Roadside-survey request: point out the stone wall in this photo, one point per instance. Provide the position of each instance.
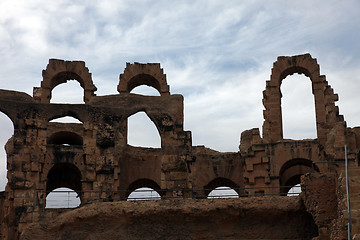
(94, 159)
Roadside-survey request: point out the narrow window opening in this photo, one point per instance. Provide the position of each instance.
(62, 198)
(144, 193)
(223, 192)
(298, 108)
(145, 90)
(69, 92)
(142, 132)
(6, 130)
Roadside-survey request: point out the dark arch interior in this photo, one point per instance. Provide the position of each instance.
(143, 79)
(63, 77)
(64, 175)
(65, 138)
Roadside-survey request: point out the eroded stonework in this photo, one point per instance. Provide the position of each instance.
(94, 159)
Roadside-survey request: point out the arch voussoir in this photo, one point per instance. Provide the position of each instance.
(138, 74)
(59, 71)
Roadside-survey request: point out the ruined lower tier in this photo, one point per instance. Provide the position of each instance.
(242, 218)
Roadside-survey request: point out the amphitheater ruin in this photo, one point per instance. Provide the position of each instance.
(93, 158)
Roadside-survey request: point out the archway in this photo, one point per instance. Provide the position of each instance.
(142, 132)
(137, 74)
(58, 72)
(291, 172)
(64, 175)
(298, 108)
(143, 80)
(221, 187)
(325, 109)
(144, 189)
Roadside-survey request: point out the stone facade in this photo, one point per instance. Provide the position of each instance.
(94, 159)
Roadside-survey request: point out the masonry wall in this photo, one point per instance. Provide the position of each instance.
(95, 160)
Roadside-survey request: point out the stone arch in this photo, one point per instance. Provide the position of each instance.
(298, 106)
(291, 171)
(60, 71)
(144, 182)
(327, 114)
(64, 175)
(150, 74)
(220, 182)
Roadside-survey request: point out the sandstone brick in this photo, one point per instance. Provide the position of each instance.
(94, 156)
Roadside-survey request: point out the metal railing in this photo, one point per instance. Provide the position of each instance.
(71, 199)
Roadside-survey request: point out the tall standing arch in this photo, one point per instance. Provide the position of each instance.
(327, 114)
(60, 71)
(138, 74)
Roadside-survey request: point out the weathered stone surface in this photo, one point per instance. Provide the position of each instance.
(281, 218)
(94, 159)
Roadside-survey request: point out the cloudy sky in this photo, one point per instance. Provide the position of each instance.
(218, 54)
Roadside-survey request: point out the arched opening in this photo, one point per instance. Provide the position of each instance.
(223, 192)
(65, 138)
(298, 108)
(145, 90)
(143, 193)
(142, 132)
(64, 175)
(144, 189)
(221, 188)
(6, 130)
(290, 174)
(143, 79)
(62, 198)
(68, 92)
(66, 119)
